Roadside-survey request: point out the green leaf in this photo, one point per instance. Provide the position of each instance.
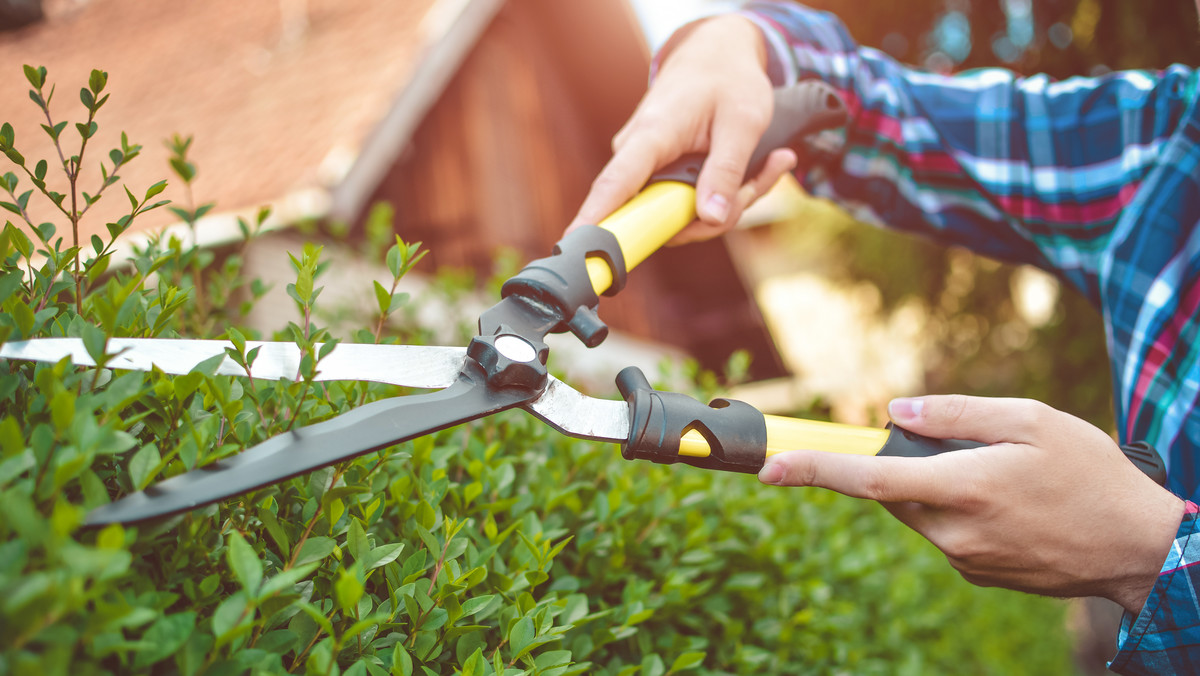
(402, 664)
(86, 131)
(244, 562)
(552, 659)
(12, 440)
(143, 465)
(97, 80)
(521, 636)
(22, 313)
(165, 637)
(184, 169)
(383, 555)
(315, 549)
(7, 136)
(291, 291)
(275, 530)
(473, 666)
(476, 604)
(347, 590)
(356, 541)
(55, 131)
(289, 578)
(686, 661)
(231, 618)
(62, 409)
(383, 298)
(652, 665)
(36, 76)
(154, 190)
(95, 342)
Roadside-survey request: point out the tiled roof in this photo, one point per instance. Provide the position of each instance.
(270, 90)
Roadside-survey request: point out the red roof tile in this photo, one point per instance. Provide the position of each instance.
(267, 98)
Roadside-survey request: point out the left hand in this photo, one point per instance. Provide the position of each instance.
(1052, 506)
(712, 96)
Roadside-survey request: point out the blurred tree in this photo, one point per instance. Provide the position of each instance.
(1058, 37)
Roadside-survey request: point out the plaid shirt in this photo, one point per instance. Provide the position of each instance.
(1093, 179)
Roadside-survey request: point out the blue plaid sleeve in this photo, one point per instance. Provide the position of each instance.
(1165, 637)
(1026, 170)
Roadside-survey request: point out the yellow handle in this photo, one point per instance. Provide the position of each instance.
(789, 434)
(644, 225)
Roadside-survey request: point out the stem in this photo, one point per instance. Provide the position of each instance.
(47, 620)
(437, 570)
(37, 482)
(73, 178)
(300, 657)
(337, 474)
(384, 315)
(299, 405)
(45, 106)
(304, 537)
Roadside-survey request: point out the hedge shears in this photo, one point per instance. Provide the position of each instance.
(504, 366)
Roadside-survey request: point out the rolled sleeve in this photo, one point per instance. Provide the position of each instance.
(1165, 637)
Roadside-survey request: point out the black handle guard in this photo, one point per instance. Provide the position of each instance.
(907, 444)
(736, 432)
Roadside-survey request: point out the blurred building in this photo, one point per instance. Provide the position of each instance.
(482, 121)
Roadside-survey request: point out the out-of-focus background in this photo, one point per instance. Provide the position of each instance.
(482, 122)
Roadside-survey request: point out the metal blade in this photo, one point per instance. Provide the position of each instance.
(407, 365)
(578, 415)
(362, 430)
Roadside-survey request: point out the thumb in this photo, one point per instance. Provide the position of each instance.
(884, 479)
(983, 419)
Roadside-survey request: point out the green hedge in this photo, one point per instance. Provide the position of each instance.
(497, 547)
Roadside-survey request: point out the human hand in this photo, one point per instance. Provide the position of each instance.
(711, 95)
(1052, 506)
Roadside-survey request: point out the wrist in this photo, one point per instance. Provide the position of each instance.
(726, 36)
(1154, 541)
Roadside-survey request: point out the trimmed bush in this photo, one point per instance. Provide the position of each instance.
(499, 547)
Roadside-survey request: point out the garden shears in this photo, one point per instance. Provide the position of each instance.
(504, 366)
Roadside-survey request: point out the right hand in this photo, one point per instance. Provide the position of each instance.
(1051, 506)
(712, 96)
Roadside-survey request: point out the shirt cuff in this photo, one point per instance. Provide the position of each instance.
(1164, 638)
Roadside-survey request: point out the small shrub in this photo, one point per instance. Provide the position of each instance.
(494, 548)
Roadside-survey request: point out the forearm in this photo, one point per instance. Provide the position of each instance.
(1018, 169)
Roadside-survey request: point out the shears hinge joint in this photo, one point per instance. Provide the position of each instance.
(509, 360)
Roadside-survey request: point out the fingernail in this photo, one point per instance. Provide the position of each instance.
(771, 474)
(717, 207)
(905, 409)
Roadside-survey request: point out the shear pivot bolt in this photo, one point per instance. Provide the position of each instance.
(516, 348)
(509, 360)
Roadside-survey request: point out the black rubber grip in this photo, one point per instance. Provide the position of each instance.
(907, 444)
(736, 432)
